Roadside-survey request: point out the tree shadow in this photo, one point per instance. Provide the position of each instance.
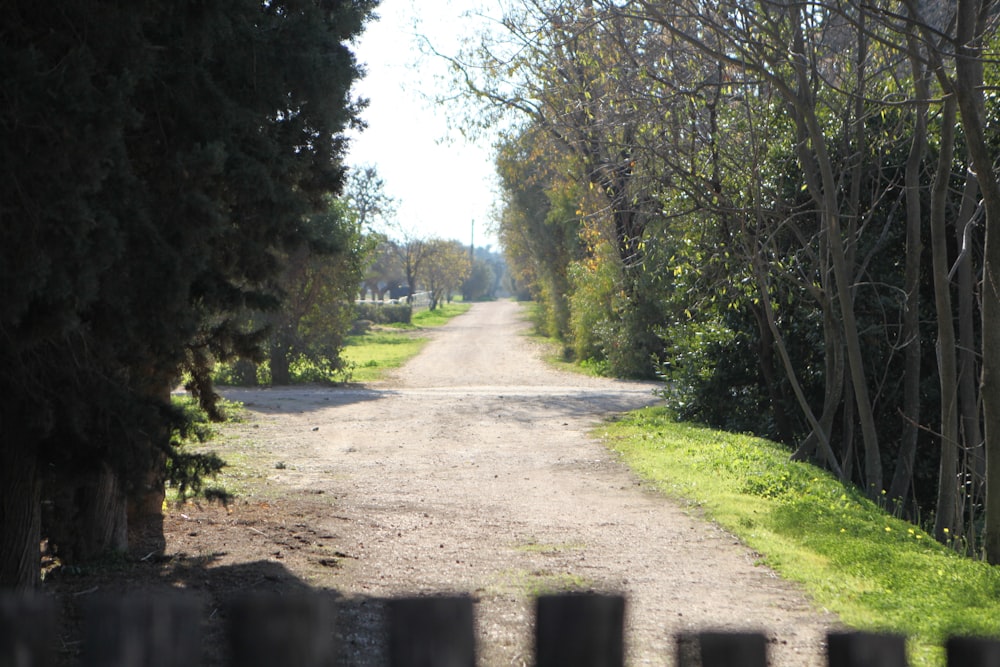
(356, 626)
(301, 398)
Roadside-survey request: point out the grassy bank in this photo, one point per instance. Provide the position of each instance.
(372, 355)
(876, 572)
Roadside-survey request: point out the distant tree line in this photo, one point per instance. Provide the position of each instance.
(445, 269)
(788, 211)
(402, 262)
(169, 177)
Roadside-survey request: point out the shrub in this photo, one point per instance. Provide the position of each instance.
(386, 313)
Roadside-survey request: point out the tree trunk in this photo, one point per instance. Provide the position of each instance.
(103, 515)
(969, 94)
(948, 517)
(245, 373)
(827, 198)
(818, 168)
(770, 376)
(903, 474)
(85, 512)
(20, 518)
(144, 511)
(281, 371)
(822, 435)
(968, 363)
(147, 490)
(833, 394)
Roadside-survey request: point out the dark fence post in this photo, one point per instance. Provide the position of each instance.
(580, 630)
(861, 649)
(431, 632)
(142, 631)
(268, 630)
(972, 652)
(27, 631)
(722, 649)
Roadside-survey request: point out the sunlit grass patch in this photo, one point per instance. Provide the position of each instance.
(370, 356)
(876, 572)
(440, 316)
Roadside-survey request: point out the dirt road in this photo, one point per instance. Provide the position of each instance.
(473, 470)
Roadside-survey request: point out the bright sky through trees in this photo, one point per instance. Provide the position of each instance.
(440, 181)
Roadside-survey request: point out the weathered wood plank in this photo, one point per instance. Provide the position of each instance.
(972, 652)
(27, 631)
(577, 630)
(722, 649)
(269, 630)
(860, 649)
(580, 630)
(142, 631)
(432, 632)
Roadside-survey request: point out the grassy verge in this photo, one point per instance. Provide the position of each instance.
(436, 318)
(876, 572)
(556, 353)
(374, 354)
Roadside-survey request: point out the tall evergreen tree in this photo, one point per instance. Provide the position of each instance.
(159, 159)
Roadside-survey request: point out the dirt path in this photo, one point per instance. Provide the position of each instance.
(472, 471)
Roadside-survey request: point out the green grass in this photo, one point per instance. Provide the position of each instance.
(876, 572)
(195, 470)
(435, 318)
(556, 353)
(372, 355)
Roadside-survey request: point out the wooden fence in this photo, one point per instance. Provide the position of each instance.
(572, 630)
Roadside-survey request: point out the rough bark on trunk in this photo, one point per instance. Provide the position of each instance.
(948, 517)
(968, 363)
(20, 519)
(903, 474)
(144, 511)
(147, 490)
(85, 512)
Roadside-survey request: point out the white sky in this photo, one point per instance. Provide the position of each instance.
(441, 183)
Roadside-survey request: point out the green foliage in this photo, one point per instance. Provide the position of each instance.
(634, 347)
(482, 282)
(445, 268)
(188, 471)
(160, 165)
(388, 313)
(876, 572)
(592, 304)
(540, 225)
(715, 186)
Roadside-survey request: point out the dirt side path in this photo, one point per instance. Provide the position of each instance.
(472, 471)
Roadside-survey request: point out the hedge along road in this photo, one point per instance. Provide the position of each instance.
(472, 470)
